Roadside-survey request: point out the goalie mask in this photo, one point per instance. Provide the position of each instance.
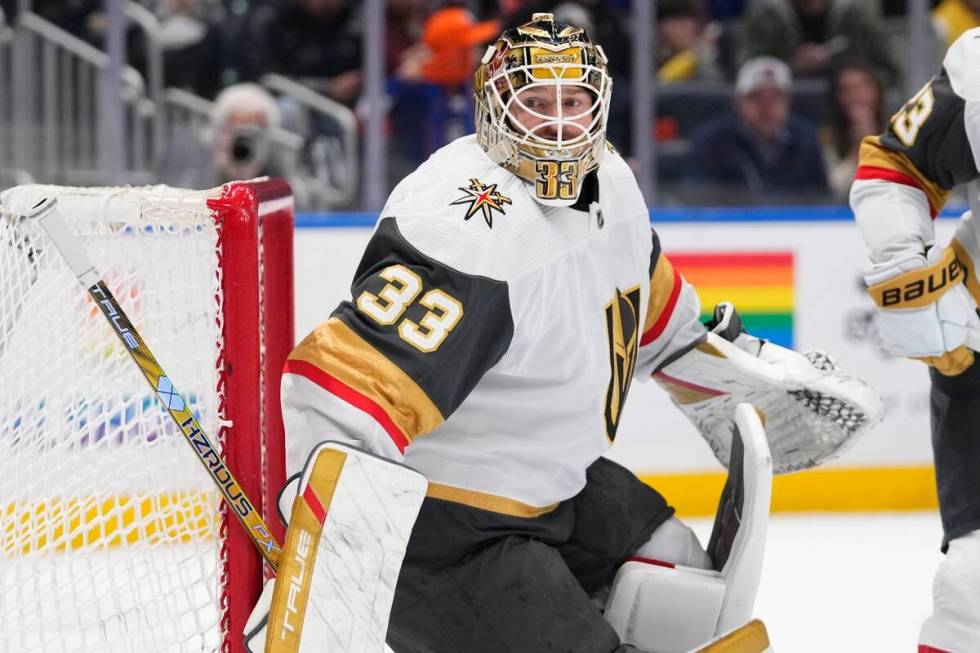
(542, 98)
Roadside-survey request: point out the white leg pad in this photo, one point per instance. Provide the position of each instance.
(675, 542)
(665, 609)
(349, 525)
(955, 621)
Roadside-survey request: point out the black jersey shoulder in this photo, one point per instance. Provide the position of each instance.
(472, 344)
(929, 130)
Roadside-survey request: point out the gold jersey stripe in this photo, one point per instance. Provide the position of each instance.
(486, 501)
(664, 287)
(876, 155)
(336, 349)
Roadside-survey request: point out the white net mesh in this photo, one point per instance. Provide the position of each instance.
(109, 527)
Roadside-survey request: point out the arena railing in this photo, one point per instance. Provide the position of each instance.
(145, 20)
(57, 108)
(9, 173)
(332, 150)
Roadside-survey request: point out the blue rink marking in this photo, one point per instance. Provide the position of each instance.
(673, 215)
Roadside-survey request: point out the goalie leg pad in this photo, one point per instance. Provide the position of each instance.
(669, 607)
(350, 524)
(955, 622)
(675, 542)
(665, 608)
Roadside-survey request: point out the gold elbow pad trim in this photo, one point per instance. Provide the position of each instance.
(919, 288)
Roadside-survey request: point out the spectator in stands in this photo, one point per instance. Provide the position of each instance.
(316, 42)
(953, 17)
(815, 35)
(432, 94)
(685, 48)
(452, 35)
(242, 120)
(82, 18)
(726, 9)
(191, 39)
(857, 109)
(403, 36)
(238, 145)
(762, 152)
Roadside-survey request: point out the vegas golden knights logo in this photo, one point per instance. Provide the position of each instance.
(622, 328)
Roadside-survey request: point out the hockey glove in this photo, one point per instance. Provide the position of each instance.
(811, 409)
(727, 323)
(924, 308)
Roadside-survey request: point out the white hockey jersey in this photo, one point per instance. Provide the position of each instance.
(931, 145)
(490, 341)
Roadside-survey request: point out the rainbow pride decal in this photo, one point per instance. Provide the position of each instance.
(760, 284)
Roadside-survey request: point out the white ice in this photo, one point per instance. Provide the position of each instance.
(846, 582)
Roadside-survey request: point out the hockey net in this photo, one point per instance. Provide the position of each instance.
(112, 537)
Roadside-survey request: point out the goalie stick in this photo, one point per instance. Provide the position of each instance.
(64, 241)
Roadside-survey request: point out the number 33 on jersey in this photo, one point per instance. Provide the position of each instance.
(388, 306)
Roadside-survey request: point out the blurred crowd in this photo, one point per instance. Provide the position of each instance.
(758, 101)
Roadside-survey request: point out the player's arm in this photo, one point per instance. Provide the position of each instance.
(670, 325)
(902, 182)
(397, 359)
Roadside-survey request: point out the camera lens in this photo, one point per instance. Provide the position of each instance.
(242, 148)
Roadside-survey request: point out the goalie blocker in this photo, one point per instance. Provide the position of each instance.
(351, 514)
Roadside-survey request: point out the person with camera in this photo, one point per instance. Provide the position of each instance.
(235, 145)
(241, 121)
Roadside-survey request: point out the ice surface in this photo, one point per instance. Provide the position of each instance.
(846, 582)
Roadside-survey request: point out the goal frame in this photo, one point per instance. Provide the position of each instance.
(256, 243)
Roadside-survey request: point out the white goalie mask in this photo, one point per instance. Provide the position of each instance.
(542, 97)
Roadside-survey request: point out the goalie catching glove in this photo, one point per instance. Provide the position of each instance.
(351, 514)
(812, 411)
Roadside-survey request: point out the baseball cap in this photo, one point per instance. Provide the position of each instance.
(455, 27)
(761, 72)
(450, 35)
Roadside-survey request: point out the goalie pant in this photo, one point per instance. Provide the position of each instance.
(480, 582)
(904, 179)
